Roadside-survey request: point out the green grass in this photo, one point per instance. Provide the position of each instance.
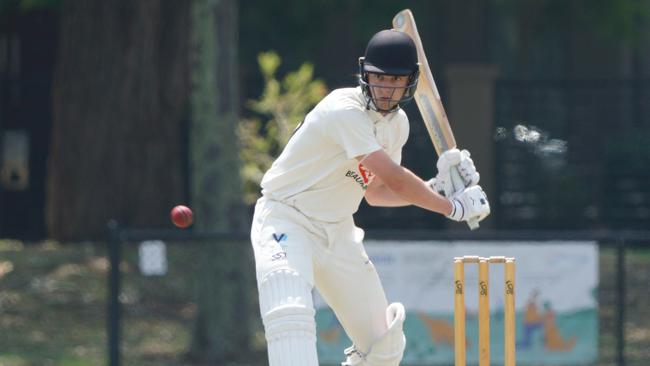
(637, 310)
(52, 301)
(53, 306)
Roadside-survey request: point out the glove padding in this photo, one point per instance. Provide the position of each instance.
(470, 203)
(454, 159)
(438, 184)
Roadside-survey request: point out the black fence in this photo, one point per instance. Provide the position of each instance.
(150, 319)
(572, 154)
(568, 154)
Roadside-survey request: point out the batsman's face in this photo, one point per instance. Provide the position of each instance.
(387, 90)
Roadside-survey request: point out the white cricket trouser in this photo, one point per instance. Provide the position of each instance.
(293, 249)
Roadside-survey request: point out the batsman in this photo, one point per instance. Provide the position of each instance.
(349, 147)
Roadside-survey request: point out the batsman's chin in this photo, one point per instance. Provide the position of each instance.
(385, 105)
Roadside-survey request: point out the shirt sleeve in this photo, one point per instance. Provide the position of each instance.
(352, 130)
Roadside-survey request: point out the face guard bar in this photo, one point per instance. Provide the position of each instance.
(409, 89)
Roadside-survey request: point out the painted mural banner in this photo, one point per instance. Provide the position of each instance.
(555, 296)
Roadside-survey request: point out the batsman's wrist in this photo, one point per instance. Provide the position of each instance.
(450, 210)
(457, 211)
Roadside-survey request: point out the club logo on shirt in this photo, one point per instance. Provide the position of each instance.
(279, 238)
(366, 174)
(278, 256)
(281, 254)
(363, 177)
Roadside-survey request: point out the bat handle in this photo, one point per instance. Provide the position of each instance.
(472, 223)
(459, 184)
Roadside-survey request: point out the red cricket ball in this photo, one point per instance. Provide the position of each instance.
(182, 216)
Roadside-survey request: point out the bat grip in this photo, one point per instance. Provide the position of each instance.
(459, 184)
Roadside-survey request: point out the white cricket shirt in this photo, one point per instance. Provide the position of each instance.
(318, 172)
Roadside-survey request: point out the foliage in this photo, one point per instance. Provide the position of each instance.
(617, 20)
(28, 5)
(39, 4)
(282, 105)
(629, 152)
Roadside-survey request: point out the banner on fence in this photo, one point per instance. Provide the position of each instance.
(556, 303)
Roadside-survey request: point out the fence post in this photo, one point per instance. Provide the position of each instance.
(620, 279)
(114, 254)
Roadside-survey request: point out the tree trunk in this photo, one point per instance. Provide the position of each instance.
(222, 329)
(120, 98)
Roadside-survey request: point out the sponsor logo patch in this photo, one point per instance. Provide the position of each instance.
(365, 174)
(277, 256)
(363, 177)
(279, 238)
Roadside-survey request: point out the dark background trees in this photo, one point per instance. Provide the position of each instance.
(131, 107)
(116, 133)
(120, 102)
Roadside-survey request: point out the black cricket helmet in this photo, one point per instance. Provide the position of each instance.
(389, 52)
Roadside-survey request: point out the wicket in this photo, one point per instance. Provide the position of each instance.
(484, 309)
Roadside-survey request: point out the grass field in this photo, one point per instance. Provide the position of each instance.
(53, 307)
(52, 304)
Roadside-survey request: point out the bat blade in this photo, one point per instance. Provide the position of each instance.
(426, 95)
(428, 100)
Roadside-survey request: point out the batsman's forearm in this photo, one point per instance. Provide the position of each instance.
(382, 196)
(414, 190)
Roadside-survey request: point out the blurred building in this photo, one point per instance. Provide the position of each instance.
(27, 49)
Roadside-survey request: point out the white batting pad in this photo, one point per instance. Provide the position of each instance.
(288, 316)
(387, 350)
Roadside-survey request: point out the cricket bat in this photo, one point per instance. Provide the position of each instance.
(428, 100)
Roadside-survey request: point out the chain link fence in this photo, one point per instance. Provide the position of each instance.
(154, 307)
(572, 154)
(166, 284)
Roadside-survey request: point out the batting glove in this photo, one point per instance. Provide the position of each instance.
(469, 203)
(463, 163)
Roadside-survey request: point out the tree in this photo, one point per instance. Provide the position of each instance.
(222, 328)
(284, 103)
(531, 25)
(120, 95)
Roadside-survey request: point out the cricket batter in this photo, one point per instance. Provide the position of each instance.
(348, 147)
